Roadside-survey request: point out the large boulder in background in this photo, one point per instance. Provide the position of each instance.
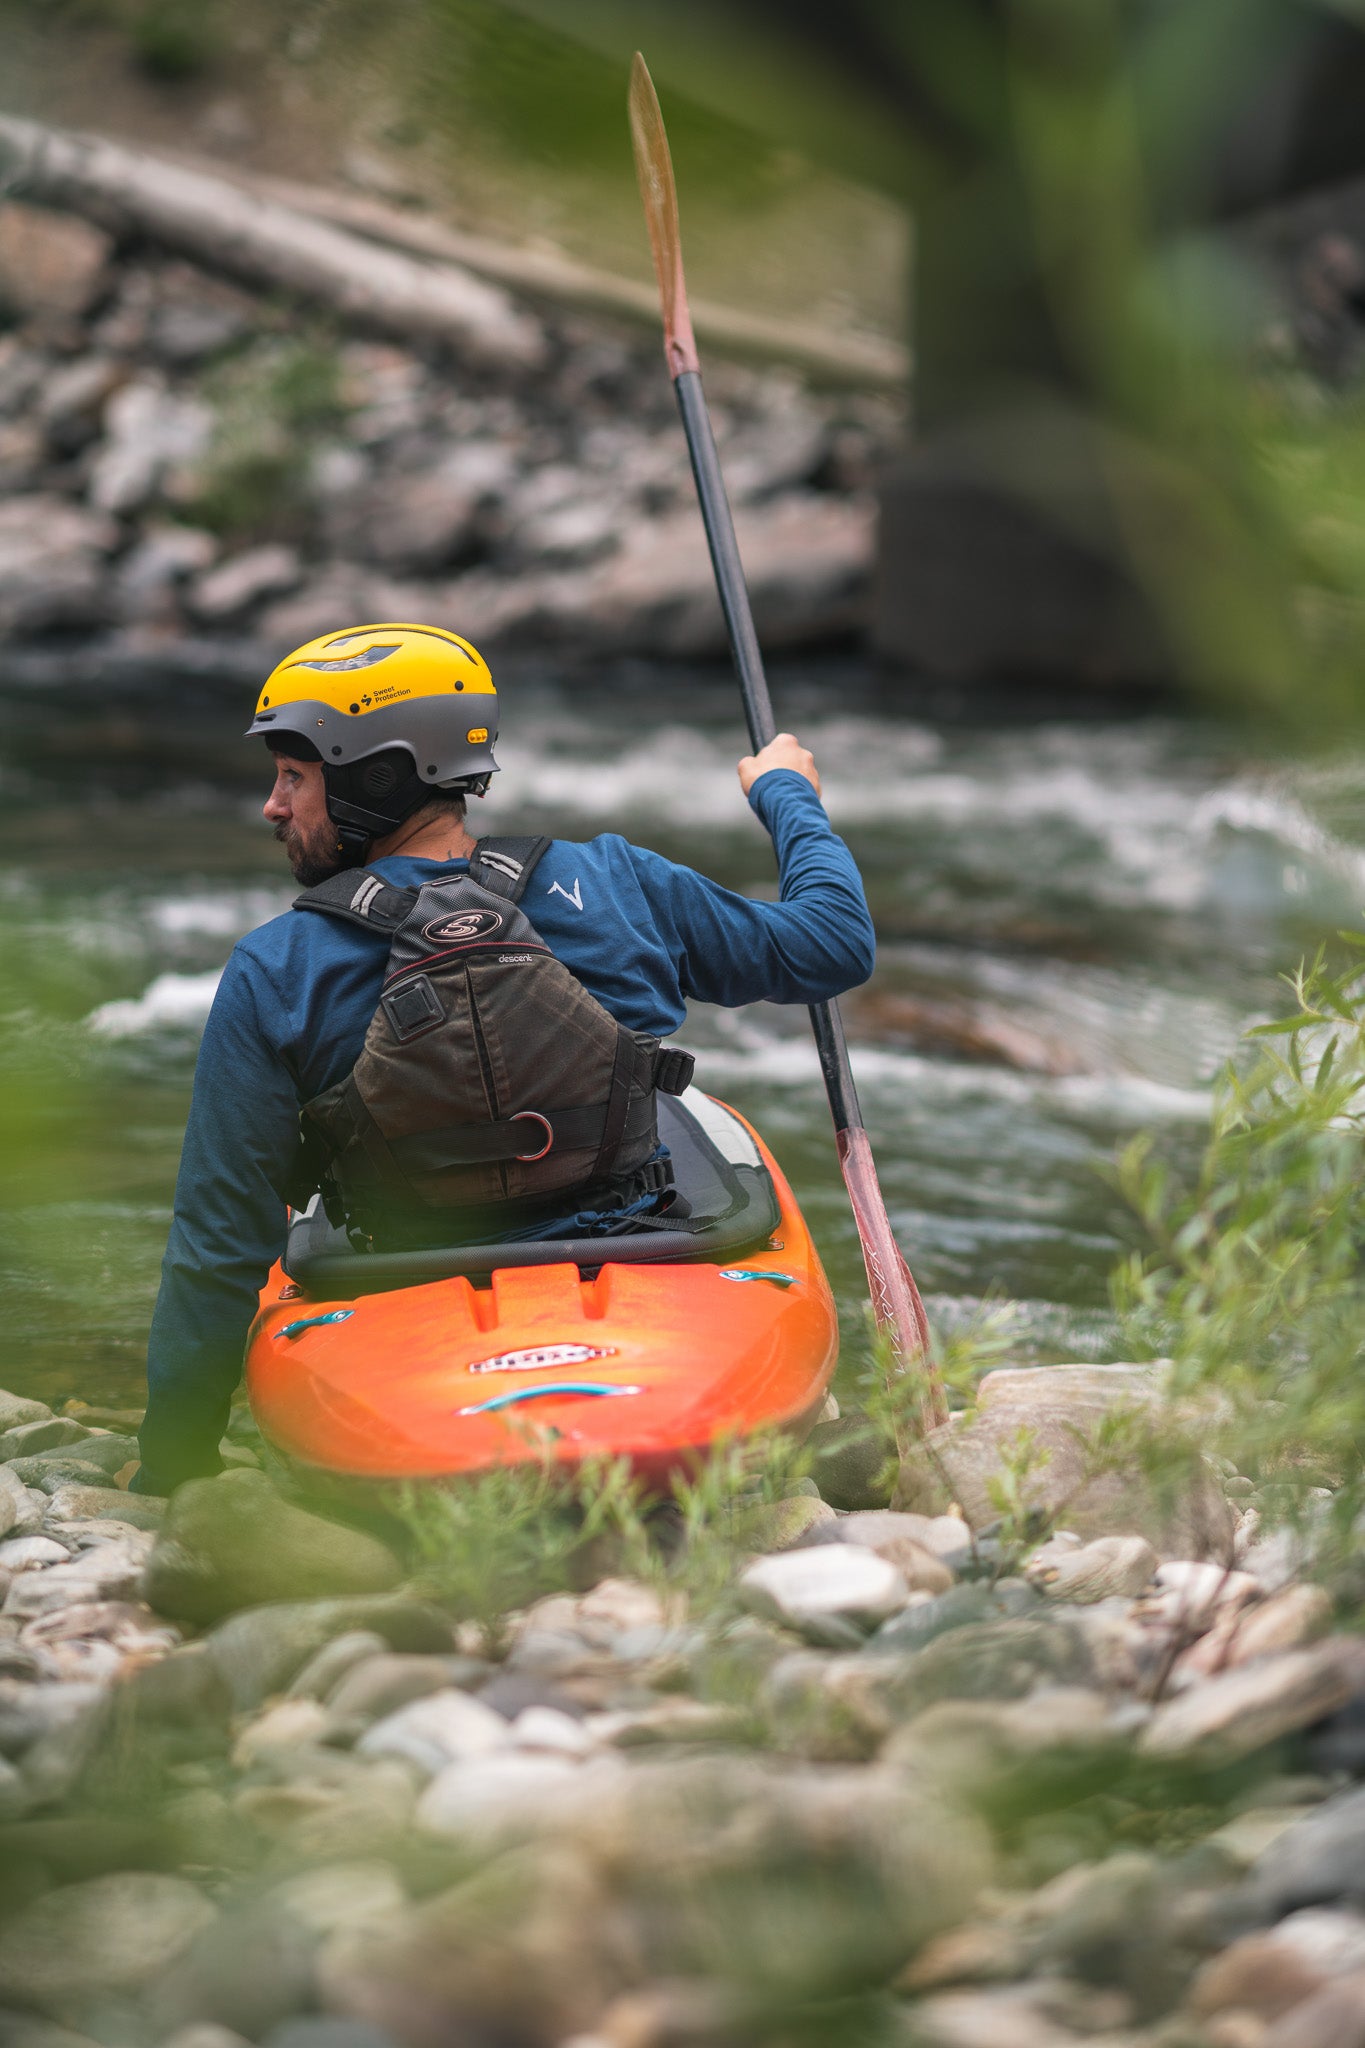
(232, 1542)
(52, 564)
(1051, 1419)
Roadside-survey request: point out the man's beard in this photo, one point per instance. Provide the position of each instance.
(311, 860)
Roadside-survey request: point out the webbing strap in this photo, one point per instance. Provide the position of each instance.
(628, 1052)
(503, 866)
(360, 898)
(533, 1134)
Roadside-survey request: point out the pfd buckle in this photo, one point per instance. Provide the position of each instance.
(673, 1069)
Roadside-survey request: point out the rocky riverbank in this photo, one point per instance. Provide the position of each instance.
(891, 1775)
(188, 461)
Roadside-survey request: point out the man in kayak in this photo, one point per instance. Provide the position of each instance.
(379, 735)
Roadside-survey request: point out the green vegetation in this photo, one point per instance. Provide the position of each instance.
(1255, 1288)
(277, 404)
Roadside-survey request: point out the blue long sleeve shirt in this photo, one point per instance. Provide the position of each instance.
(643, 934)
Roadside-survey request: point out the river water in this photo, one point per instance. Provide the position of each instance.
(1077, 915)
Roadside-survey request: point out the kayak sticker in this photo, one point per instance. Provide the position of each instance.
(464, 924)
(336, 1315)
(753, 1273)
(566, 1389)
(541, 1355)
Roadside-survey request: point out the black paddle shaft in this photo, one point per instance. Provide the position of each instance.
(826, 1023)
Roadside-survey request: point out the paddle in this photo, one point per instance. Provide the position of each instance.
(896, 1303)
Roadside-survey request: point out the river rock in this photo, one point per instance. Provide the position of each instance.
(780, 1524)
(1064, 1406)
(226, 592)
(52, 564)
(18, 1514)
(102, 1452)
(108, 1935)
(945, 1537)
(17, 1408)
(149, 431)
(1111, 1566)
(48, 1471)
(526, 1949)
(488, 1796)
(51, 263)
(850, 1463)
(445, 1727)
(185, 1691)
(1288, 1620)
(319, 2032)
(232, 1542)
(45, 1434)
(1258, 1974)
(30, 1711)
(70, 1505)
(321, 1673)
(31, 1553)
(381, 1684)
(922, 1620)
(1241, 1711)
(1333, 2017)
(106, 1571)
(997, 1660)
(828, 1594)
(1319, 1861)
(285, 1724)
(259, 1651)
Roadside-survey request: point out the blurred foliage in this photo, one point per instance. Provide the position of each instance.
(276, 405)
(1255, 1286)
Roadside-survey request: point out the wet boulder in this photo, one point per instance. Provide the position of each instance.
(232, 1543)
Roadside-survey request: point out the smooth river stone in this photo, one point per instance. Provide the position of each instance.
(1111, 1567)
(109, 1935)
(444, 1728)
(46, 1434)
(18, 1514)
(16, 1409)
(1241, 1711)
(1319, 1861)
(825, 1593)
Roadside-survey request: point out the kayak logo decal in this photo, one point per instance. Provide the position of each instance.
(464, 924)
(543, 1355)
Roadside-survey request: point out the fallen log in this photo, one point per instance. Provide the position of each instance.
(266, 244)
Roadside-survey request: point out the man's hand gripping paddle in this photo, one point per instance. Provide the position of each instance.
(895, 1298)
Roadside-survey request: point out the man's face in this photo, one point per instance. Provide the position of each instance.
(297, 808)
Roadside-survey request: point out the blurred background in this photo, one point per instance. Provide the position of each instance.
(1033, 334)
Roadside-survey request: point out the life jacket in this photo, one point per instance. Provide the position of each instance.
(492, 1088)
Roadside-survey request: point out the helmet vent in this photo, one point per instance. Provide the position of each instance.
(366, 660)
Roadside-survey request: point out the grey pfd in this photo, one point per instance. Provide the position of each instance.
(492, 1088)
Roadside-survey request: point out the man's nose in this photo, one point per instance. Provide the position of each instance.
(276, 805)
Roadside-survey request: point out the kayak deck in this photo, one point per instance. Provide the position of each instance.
(648, 1360)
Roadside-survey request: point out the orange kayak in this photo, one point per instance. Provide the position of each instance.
(651, 1347)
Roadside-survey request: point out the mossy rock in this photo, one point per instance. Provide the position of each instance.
(232, 1542)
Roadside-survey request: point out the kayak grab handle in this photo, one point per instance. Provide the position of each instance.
(753, 1273)
(335, 1315)
(538, 1393)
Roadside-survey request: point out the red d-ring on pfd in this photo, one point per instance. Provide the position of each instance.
(534, 1116)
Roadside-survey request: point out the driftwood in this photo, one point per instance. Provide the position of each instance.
(264, 243)
(866, 362)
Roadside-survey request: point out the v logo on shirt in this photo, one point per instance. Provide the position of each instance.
(570, 896)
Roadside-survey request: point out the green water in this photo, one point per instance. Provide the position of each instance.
(1084, 911)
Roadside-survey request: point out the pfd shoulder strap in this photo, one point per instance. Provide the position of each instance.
(503, 866)
(360, 898)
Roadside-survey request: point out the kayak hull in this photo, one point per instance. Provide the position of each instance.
(652, 1363)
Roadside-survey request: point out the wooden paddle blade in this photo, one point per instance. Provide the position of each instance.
(654, 169)
(896, 1303)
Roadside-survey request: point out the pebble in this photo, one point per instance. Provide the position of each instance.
(1334, 2017)
(259, 1651)
(1259, 1974)
(1241, 1711)
(1319, 1861)
(285, 1725)
(547, 1729)
(827, 1594)
(16, 1409)
(45, 1434)
(444, 1728)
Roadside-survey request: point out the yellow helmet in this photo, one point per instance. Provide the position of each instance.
(363, 699)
